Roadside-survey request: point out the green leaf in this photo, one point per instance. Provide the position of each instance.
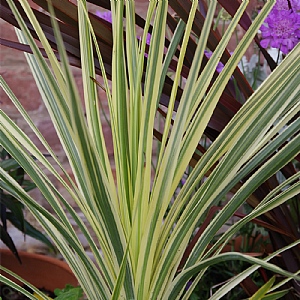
(69, 293)
(263, 292)
(260, 294)
(9, 164)
(7, 240)
(276, 295)
(28, 229)
(11, 204)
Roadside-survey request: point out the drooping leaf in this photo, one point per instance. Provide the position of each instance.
(29, 230)
(7, 240)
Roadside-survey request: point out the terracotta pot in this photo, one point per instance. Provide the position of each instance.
(236, 245)
(40, 270)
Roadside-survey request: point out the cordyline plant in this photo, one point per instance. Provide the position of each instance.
(142, 234)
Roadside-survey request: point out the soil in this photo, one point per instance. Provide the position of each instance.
(8, 293)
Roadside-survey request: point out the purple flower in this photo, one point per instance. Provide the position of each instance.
(148, 39)
(188, 285)
(105, 15)
(220, 65)
(282, 30)
(284, 5)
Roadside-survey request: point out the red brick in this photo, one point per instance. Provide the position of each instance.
(21, 81)
(7, 31)
(48, 131)
(108, 138)
(9, 56)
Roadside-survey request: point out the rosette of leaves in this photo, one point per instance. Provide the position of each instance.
(12, 209)
(143, 236)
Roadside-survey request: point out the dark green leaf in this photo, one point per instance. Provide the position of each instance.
(276, 295)
(9, 164)
(69, 293)
(15, 207)
(30, 230)
(7, 240)
(28, 185)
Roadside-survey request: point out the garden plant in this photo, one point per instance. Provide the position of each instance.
(151, 231)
